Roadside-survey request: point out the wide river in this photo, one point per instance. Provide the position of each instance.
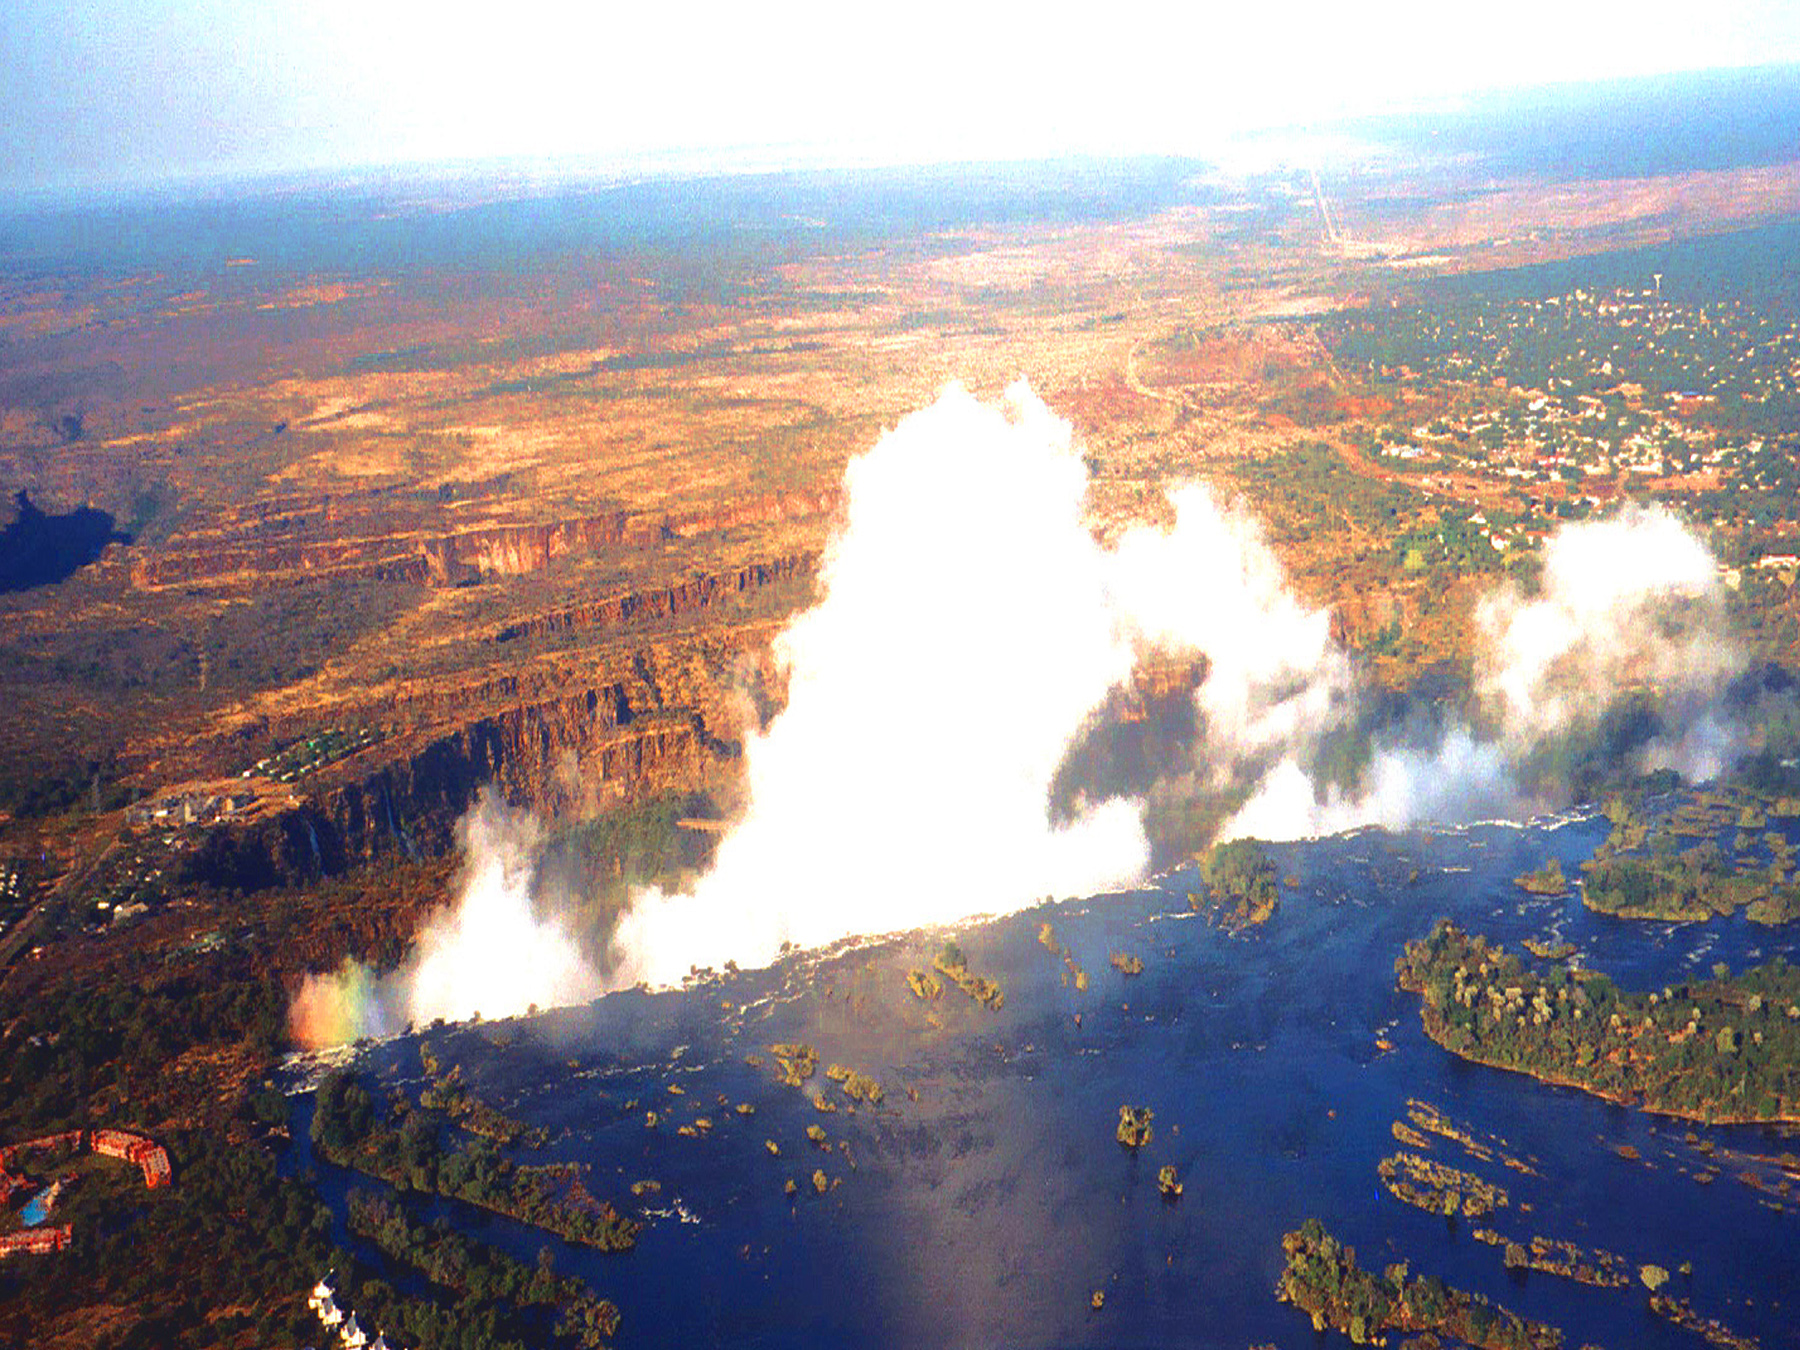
(987, 1211)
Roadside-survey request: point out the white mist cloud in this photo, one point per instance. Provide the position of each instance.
(1633, 599)
(964, 634)
(969, 626)
(490, 951)
(1211, 584)
(1630, 602)
(1456, 779)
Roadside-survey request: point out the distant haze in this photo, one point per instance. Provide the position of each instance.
(113, 92)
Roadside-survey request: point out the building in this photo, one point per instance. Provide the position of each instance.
(35, 1240)
(135, 1148)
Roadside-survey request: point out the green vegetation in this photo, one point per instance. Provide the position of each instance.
(626, 849)
(1725, 1049)
(1323, 1279)
(266, 1239)
(490, 1285)
(1134, 1126)
(1459, 543)
(76, 1053)
(954, 966)
(1686, 887)
(797, 1062)
(1308, 490)
(1439, 1189)
(175, 1035)
(1432, 1120)
(1640, 872)
(1241, 882)
(1547, 880)
(1555, 1256)
(1710, 1329)
(858, 1087)
(1549, 951)
(924, 985)
(1584, 344)
(401, 1145)
(31, 788)
(447, 1093)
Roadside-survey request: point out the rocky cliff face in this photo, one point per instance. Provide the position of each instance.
(571, 734)
(514, 550)
(568, 757)
(384, 558)
(694, 594)
(320, 542)
(770, 508)
(438, 559)
(595, 704)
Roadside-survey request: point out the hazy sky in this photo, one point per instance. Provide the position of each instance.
(145, 90)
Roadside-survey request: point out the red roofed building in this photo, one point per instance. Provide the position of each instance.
(35, 1240)
(146, 1153)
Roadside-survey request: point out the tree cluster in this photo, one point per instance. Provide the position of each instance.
(1725, 1049)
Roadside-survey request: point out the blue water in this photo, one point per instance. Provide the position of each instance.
(37, 1209)
(990, 1209)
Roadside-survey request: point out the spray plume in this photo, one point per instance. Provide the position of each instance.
(1628, 603)
(963, 635)
(971, 636)
(493, 951)
(1634, 600)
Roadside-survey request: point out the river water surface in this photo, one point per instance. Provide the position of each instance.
(988, 1211)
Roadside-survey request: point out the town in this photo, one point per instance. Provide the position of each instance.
(1577, 399)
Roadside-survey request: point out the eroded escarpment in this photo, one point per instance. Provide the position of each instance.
(417, 558)
(688, 596)
(660, 725)
(418, 546)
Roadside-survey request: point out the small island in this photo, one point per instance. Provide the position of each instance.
(1688, 886)
(1724, 1050)
(1438, 1188)
(1134, 1126)
(1240, 880)
(1558, 1256)
(951, 963)
(402, 1145)
(1547, 880)
(1641, 871)
(1323, 1279)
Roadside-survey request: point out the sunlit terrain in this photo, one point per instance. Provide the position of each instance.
(875, 757)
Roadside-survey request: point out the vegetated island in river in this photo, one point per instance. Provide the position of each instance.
(493, 1289)
(1323, 1279)
(1240, 881)
(401, 1144)
(1724, 1050)
(1640, 871)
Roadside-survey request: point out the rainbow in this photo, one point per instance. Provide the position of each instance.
(337, 1007)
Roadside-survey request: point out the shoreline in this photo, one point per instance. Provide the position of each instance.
(1632, 1102)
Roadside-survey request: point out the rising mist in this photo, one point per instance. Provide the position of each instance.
(967, 730)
